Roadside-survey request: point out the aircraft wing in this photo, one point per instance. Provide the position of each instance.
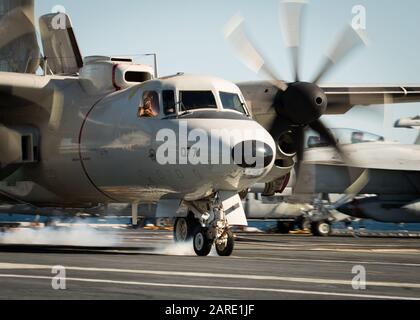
(342, 99)
(390, 156)
(260, 96)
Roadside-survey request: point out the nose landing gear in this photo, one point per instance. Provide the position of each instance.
(185, 228)
(206, 225)
(225, 245)
(202, 242)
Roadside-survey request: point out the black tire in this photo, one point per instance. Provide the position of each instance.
(226, 251)
(181, 230)
(321, 229)
(284, 227)
(191, 224)
(202, 244)
(141, 223)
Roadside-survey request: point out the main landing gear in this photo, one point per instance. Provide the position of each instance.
(206, 225)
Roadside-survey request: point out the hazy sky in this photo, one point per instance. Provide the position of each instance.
(187, 35)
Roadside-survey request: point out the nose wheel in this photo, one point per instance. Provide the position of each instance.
(211, 225)
(202, 243)
(185, 228)
(225, 245)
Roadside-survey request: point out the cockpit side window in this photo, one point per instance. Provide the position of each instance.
(169, 105)
(149, 106)
(193, 100)
(231, 101)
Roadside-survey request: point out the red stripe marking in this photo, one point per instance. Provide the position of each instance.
(114, 83)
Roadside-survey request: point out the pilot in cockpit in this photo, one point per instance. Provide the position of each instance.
(150, 107)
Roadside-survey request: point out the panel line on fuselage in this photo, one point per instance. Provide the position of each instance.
(81, 156)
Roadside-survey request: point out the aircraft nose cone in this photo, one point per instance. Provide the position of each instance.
(352, 209)
(252, 154)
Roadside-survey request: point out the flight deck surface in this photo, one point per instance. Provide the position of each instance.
(147, 265)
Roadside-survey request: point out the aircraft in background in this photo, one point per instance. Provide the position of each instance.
(304, 211)
(410, 123)
(390, 190)
(85, 132)
(401, 202)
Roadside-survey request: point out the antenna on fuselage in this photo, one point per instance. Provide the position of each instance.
(155, 63)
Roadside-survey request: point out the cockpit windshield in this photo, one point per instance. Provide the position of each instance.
(232, 101)
(193, 100)
(343, 137)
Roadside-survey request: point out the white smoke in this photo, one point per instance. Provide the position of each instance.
(79, 235)
(179, 249)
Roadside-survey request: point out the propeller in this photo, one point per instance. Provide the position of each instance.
(248, 52)
(298, 104)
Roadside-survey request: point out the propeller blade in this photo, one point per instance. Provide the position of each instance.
(291, 25)
(299, 137)
(348, 41)
(323, 131)
(236, 35)
(352, 191)
(359, 182)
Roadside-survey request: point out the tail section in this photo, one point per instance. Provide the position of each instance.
(409, 123)
(19, 50)
(60, 45)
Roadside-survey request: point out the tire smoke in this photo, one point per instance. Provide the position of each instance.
(79, 235)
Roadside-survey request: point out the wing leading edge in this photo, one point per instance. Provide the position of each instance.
(341, 99)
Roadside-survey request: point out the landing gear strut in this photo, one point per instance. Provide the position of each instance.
(207, 225)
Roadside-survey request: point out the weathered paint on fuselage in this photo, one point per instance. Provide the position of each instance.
(56, 106)
(94, 149)
(125, 148)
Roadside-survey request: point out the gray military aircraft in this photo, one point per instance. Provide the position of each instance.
(399, 201)
(390, 191)
(410, 123)
(101, 129)
(92, 130)
(306, 211)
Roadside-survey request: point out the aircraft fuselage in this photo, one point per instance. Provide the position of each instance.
(95, 149)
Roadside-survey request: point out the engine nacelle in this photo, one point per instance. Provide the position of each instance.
(279, 177)
(105, 74)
